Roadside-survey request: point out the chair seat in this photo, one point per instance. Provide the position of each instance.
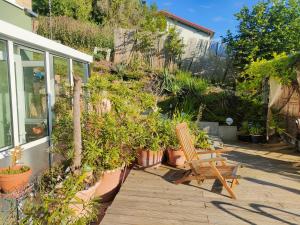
(227, 171)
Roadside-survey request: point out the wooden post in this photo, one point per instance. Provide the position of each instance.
(77, 125)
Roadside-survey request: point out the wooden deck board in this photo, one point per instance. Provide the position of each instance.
(269, 193)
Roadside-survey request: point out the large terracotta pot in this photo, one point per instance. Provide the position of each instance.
(14, 182)
(176, 157)
(147, 158)
(85, 196)
(108, 187)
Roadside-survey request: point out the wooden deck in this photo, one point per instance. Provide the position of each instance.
(269, 193)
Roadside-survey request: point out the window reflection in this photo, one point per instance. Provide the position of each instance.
(5, 106)
(31, 94)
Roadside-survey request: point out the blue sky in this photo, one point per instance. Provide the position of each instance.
(217, 15)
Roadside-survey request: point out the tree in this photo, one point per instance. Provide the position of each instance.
(76, 124)
(269, 27)
(78, 9)
(174, 45)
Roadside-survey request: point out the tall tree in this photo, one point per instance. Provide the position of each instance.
(270, 27)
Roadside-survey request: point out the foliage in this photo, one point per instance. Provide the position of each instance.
(74, 33)
(62, 132)
(118, 13)
(78, 9)
(109, 139)
(202, 140)
(244, 128)
(168, 132)
(183, 82)
(174, 45)
(282, 68)
(271, 26)
(256, 129)
(10, 170)
(54, 207)
(275, 124)
(151, 26)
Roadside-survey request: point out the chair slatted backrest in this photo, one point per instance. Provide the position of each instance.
(185, 140)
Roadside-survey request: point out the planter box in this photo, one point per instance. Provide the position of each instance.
(147, 158)
(228, 133)
(176, 157)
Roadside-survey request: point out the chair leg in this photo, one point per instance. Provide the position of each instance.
(234, 182)
(223, 181)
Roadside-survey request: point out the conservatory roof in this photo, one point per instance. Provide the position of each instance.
(22, 36)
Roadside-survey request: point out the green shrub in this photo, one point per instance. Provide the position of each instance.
(78, 9)
(81, 35)
(53, 207)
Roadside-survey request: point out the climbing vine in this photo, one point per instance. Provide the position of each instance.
(282, 68)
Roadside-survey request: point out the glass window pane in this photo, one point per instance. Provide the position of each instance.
(5, 106)
(59, 77)
(80, 69)
(31, 94)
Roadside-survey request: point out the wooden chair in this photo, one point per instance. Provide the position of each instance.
(202, 169)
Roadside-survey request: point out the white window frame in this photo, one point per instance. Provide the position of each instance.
(15, 35)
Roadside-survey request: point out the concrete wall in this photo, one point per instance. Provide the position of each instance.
(226, 133)
(15, 15)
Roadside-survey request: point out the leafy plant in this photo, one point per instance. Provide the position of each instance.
(174, 45)
(202, 140)
(244, 128)
(256, 129)
(268, 27)
(55, 207)
(10, 170)
(74, 33)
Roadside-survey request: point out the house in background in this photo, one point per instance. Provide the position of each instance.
(194, 36)
(17, 12)
(33, 72)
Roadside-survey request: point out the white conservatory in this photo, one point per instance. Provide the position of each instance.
(32, 72)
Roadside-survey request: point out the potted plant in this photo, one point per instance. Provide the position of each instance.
(256, 132)
(175, 156)
(148, 141)
(243, 134)
(14, 177)
(104, 149)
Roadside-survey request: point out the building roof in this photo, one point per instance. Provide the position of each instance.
(188, 23)
(18, 34)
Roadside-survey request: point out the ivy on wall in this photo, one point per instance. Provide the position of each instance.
(282, 68)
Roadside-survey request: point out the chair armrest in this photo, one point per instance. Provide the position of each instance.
(212, 151)
(208, 160)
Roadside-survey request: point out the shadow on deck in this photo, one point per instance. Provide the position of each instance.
(269, 193)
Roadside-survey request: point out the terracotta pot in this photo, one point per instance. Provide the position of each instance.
(176, 157)
(147, 158)
(86, 196)
(14, 182)
(38, 130)
(108, 187)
